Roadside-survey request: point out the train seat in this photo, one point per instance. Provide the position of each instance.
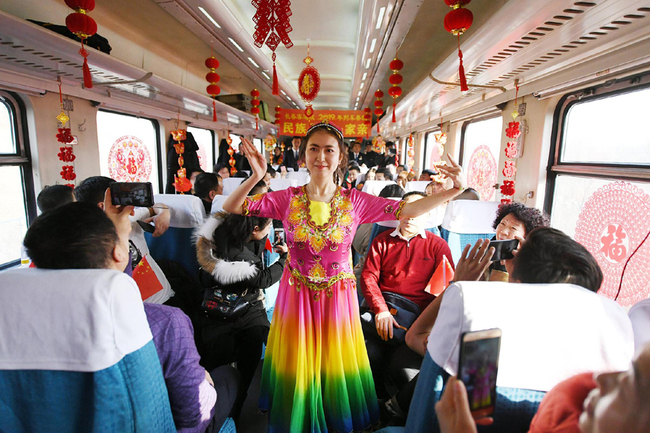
(417, 185)
(560, 330)
(465, 222)
(302, 177)
(280, 184)
(640, 317)
(217, 203)
(374, 187)
(230, 184)
(76, 354)
(187, 214)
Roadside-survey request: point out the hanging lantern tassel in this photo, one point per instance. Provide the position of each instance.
(214, 111)
(276, 86)
(461, 70)
(88, 79)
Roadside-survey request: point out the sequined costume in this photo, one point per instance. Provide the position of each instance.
(316, 376)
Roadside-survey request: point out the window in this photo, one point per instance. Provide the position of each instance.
(433, 148)
(205, 139)
(236, 141)
(479, 154)
(129, 148)
(19, 204)
(598, 184)
(257, 142)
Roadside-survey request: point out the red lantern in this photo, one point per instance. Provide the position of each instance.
(458, 21)
(213, 78)
(84, 27)
(278, 109)
(395, 80)
(255, 103)
(368, 119)
(378, 103)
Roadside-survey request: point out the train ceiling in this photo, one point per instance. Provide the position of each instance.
(539, 42)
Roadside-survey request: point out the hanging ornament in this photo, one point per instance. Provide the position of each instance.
(510, 169)
(378, 104)
(83, 27)
(278, 111)
(395, 80)
(308, 84)
(410, 162)
(269, 142)
(272, 25)
(368, 119)
(66, 153)
(213, 78)
(458, 21)
(181, 183)
(256, 106)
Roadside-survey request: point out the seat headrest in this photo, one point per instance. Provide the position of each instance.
(302, 177)
(470, 216)
(230, 184)
(374, 187)
(217, 203)
(417, 185)
(281, 184)
(550, 332)
(640, 317)
(72, 320)
(186, 210)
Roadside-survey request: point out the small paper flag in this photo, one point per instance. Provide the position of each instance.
(441, 277)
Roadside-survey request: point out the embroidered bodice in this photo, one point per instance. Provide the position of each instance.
(319, 254)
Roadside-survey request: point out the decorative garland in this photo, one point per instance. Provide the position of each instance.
(255, 109)
(66, 153)
(231, 152)
(181, 183)
(510, 170)
(378, 104)
(270, 142)
(410, 153)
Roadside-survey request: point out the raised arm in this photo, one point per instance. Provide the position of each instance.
(419, 207)
(234, 202)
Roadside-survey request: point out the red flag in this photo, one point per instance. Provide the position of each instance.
(146, 279)
(441, 277)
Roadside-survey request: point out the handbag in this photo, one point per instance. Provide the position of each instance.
(403, 310)
(226, 306)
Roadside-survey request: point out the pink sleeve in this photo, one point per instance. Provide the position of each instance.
(370, 209)
(270, 205)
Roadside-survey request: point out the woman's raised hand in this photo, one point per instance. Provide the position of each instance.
(454, 172)
(255, 158)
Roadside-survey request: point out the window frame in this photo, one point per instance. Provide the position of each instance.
(21, 158)
(556, 167)
(214, 144)
(426, 148)
(162, 182)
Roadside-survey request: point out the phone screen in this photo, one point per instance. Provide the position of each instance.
(479, 362)
(132, 194)
(278, 236)
(503, 249)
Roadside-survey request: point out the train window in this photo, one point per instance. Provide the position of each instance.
(479, 154)
(205, 139)
(626, 143)
(18, 201)
(258, 144)
(7, 142)
(128, 148)
(433, 150)
(587, 161)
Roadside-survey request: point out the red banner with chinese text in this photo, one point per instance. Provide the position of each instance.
(295, 123)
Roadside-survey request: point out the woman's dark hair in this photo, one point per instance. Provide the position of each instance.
(531, 217)
(338, 174)
(235, 231)
(549, 256)
(390, 191)
(219, 166)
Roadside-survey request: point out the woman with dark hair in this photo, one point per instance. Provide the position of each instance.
(514, 221)
(316, 375)
(229, 249)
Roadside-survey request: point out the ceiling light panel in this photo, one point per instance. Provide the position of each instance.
(208, 16)
(232, 41)
(380, 17)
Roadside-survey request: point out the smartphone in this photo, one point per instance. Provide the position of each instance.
(503, 249)
(132, 194)
(149, 228)
(279, 236)
(477, 368)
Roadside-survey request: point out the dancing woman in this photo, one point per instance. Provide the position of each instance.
(316, 376)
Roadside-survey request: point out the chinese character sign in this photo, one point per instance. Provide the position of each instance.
(295, 122)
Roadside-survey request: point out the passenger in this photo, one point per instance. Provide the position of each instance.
(383, 174)
(54, 196)
(207, 187)
(270, 174)
(316, 375)
(513, 221)
(276, 158)
(259, 188)
(355, 154)
(434, 187)
(223, 170)
(81, 236)
(427, 175)
(353, 175)
(229, 249)
(468, 194)
(402, 179)
(611, 402)
(400, 168)
(370, 175)
(192, 177)
(401, 261)
(290, 159)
